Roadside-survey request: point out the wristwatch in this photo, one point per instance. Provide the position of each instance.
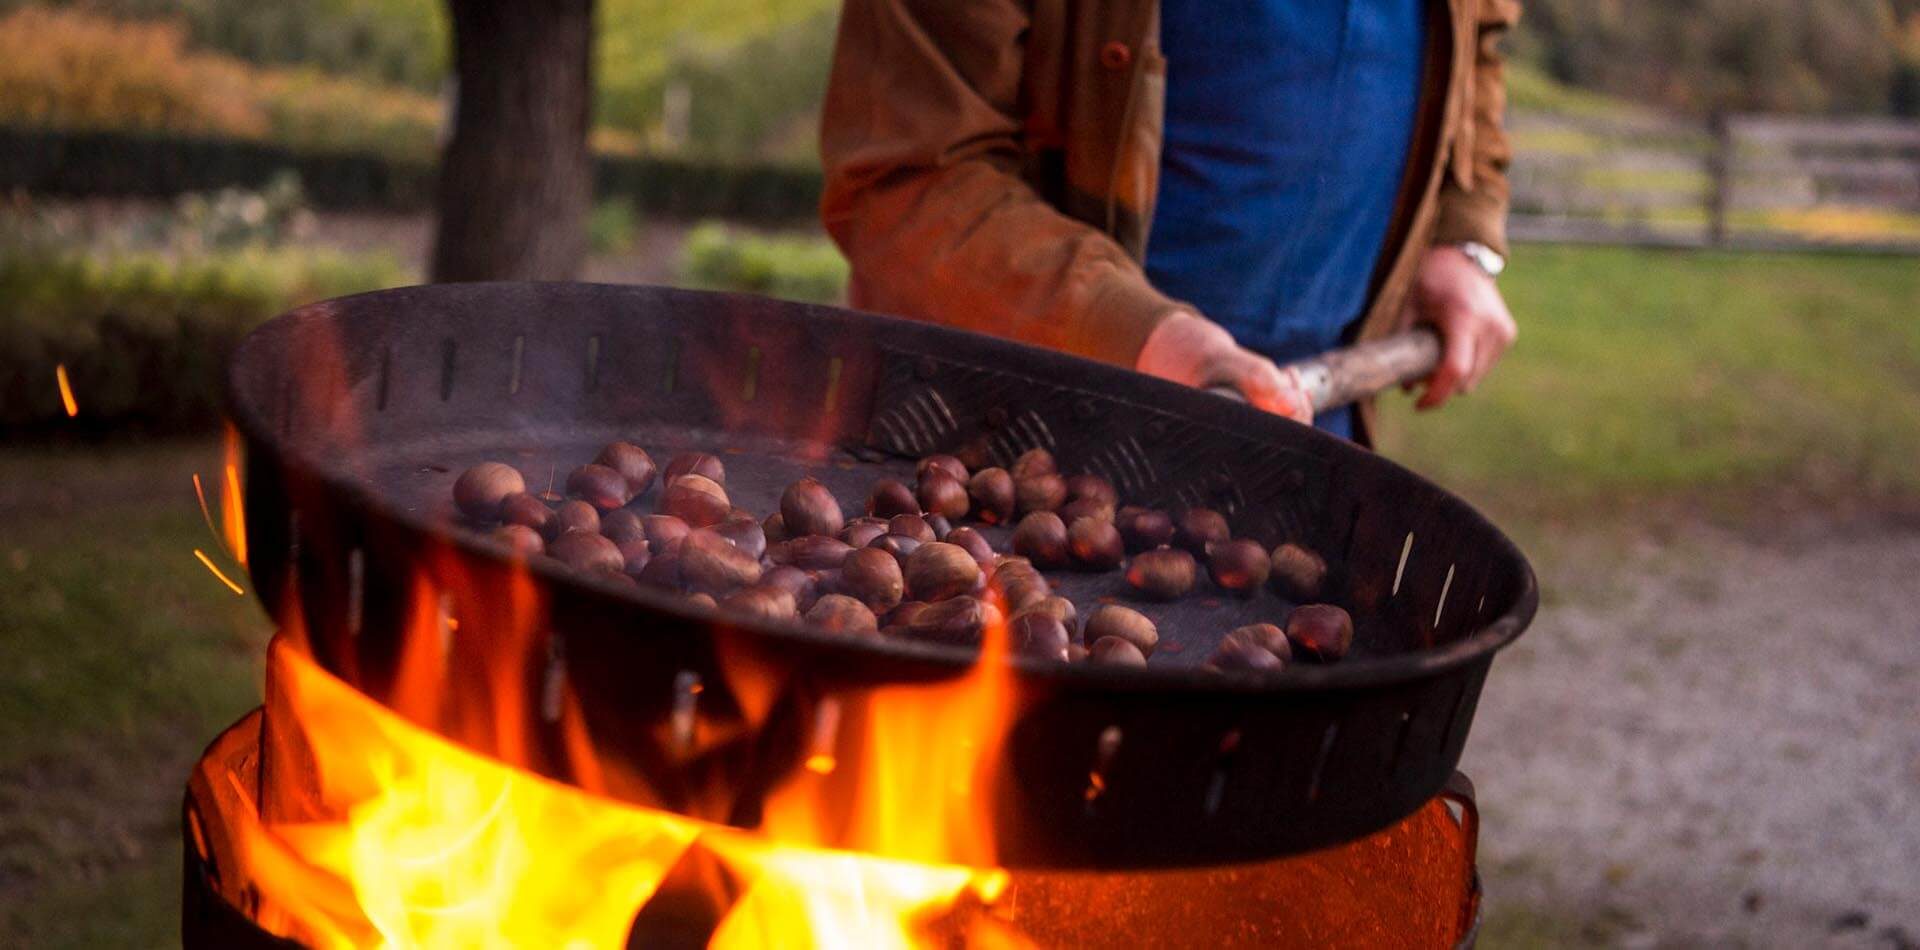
(1488, 259)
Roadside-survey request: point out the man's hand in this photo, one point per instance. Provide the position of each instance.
(1458, 299)
(1188, 348)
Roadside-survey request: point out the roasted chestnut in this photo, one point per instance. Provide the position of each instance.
(1113, 620)
(913, 526)
(479, 490)
(890, 498)
(1090, 487)
(938, 570)
(746, 534)
(1162, 574)
(1239, 565)
(763, 603)
(1042, 539)
(1095, 544)
(1297, 572)
(1244, 655)
(694, 463)
(1034, 462)
(794, 581)
(775, 528)
(810, 552)
(903, 615)
(1266, 636)
(1043, 492)
(664, 533)
(522, 508)
(616, 578)
(941, 526)
(622, 525)
(1320, 631)
(662, 571)
(975, 544)
(1079, 508)
(945, 463)
(702, 600)
(1039, 634)
(840, 613)
(808, 507)
(710, 563)
(573, 515)
(859, 534)
(874, 578)
(586, 551)
(523, 541)
(991, 491)
(957, 620)
(1116, 652)
(697, 500)
(1198, 529)
(634, 556)
(1059, 608)
(599, 486)
(1016, 585)
(898, 545)
(942, 494)
(632, 462)
(1143, 528)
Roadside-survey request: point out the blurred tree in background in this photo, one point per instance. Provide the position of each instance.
(1832, 56)
(516, 177)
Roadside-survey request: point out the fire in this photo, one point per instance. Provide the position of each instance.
(922, 759)
(233, 518)
(442, 847)
(375, 831)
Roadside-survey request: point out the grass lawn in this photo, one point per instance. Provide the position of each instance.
(1642, 380)
(124, 658)
(1647, 376)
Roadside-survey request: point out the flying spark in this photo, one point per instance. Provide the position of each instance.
(66, 390)
(224, 579)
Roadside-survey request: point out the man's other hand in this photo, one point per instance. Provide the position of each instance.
(1453, 295)
(1188, 348)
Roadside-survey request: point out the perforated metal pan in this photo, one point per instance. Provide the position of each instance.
(358, 413)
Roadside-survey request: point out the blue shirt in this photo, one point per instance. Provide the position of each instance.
(1288, 124)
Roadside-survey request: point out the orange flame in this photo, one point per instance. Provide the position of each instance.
(923, 757)
(377, 831)
(233, 516)
(442, 847)
(437, 846)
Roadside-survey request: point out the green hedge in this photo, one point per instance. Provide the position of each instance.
(798, 268)
(146, 337)
(81, 163)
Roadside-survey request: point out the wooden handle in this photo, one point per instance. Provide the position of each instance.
(1340, 377)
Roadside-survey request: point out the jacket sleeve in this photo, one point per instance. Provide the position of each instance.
(922, 142)
(1473, 198)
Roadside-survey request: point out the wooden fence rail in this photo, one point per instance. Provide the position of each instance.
(1733, 181)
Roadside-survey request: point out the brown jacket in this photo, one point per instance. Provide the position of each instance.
(992, 164)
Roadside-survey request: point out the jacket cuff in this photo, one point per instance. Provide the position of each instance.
(1471, 216)
(1123, 310)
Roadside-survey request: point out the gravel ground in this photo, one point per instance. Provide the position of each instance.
(1720, 747)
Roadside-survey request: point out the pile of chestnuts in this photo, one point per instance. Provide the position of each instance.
(909, 562)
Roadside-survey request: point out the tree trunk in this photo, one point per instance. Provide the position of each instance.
(516, 177)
